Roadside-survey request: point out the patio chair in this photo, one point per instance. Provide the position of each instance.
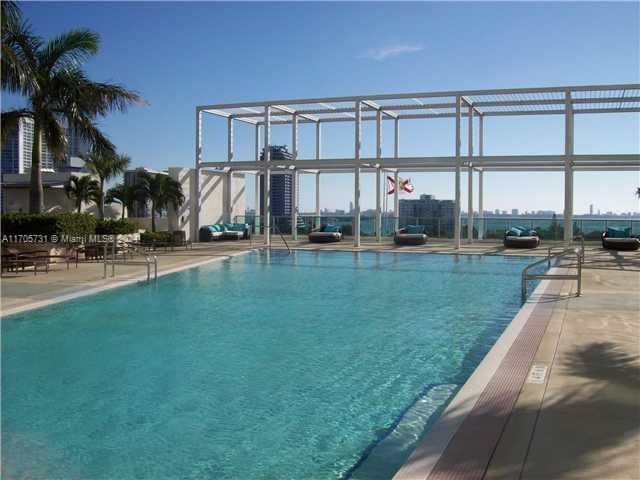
(411, 235)
(325, 234)
(620, 239)
(235, 231)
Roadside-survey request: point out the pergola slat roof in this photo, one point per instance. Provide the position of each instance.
(503, 102)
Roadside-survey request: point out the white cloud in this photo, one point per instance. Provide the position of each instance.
(389, 51)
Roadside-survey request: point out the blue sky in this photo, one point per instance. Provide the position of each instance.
(179, 55)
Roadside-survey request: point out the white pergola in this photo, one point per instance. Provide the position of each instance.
(566, 100)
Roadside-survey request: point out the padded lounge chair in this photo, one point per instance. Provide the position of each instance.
(235, 231)
(326, 234)
(619, 239)
(521, 237)
(411, 235)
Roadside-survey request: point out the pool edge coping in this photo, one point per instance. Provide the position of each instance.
(430, 448)
(114, 284)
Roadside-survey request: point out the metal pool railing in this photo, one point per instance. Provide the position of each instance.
(526, 276)
(277, 230)
(126, 249)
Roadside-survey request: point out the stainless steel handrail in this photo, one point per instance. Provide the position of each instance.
(148, 260)
(277, 230)
(526, 276)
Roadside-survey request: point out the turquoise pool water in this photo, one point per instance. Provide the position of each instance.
(314, 365)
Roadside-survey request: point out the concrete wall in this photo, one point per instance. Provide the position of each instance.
(55, 200)
(214, 196)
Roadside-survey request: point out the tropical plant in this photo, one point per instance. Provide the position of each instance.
(56, 89)
(162, 191)
(82, 190)
(126, 195)
(106, 165)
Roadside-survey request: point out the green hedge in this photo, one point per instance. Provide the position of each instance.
(116, 227)
(75, 224)
(149, 237)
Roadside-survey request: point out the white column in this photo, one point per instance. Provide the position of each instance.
(456, 219)
(318, 154)
(228, 204)
(294, 177)
(257, 157)
(266, 190)
(318, 140)
(480, 189)
(396, 180)
(294, 206)
(228, 190)
(568, 169)
(195, 202)
(396, 199)
(256, 219)
(378, 156)
(356, 193)
(470, 179)
(317, 199)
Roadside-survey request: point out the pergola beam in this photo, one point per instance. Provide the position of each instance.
(411, 163)
(422, 95)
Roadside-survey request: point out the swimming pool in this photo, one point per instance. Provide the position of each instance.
(313, 365)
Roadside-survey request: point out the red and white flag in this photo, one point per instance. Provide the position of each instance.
(404, 185)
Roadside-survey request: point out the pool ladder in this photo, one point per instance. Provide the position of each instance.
(149, 260)
(577, 251)
(277, 230)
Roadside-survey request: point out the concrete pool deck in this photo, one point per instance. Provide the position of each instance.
(575, 415)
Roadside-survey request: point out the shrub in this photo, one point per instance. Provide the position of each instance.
(74, 224)
(149, 237)
(116, 227)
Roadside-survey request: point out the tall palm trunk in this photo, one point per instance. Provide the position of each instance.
(123, 207)
(36, 195)
(101, 203)
(153, 216)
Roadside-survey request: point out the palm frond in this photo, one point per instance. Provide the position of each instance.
(82, 190)
(68, 49)
(53, 134)
(106, 165)
(19, 64)
(10, 14)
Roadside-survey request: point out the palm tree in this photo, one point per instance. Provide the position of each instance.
(106, 165)
(83, 190)
(162, 191)
(126, 195)
(49, 75)
(15, 33)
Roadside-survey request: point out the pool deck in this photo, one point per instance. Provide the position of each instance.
(576, 415)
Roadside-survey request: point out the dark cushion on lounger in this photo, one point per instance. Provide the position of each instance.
(629, 243)
(324, 237)
(522, 241)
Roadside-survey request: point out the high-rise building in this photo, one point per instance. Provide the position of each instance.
(591, 209)
(281, 185)
(427, 206)
(515, 212)
(16, 151)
